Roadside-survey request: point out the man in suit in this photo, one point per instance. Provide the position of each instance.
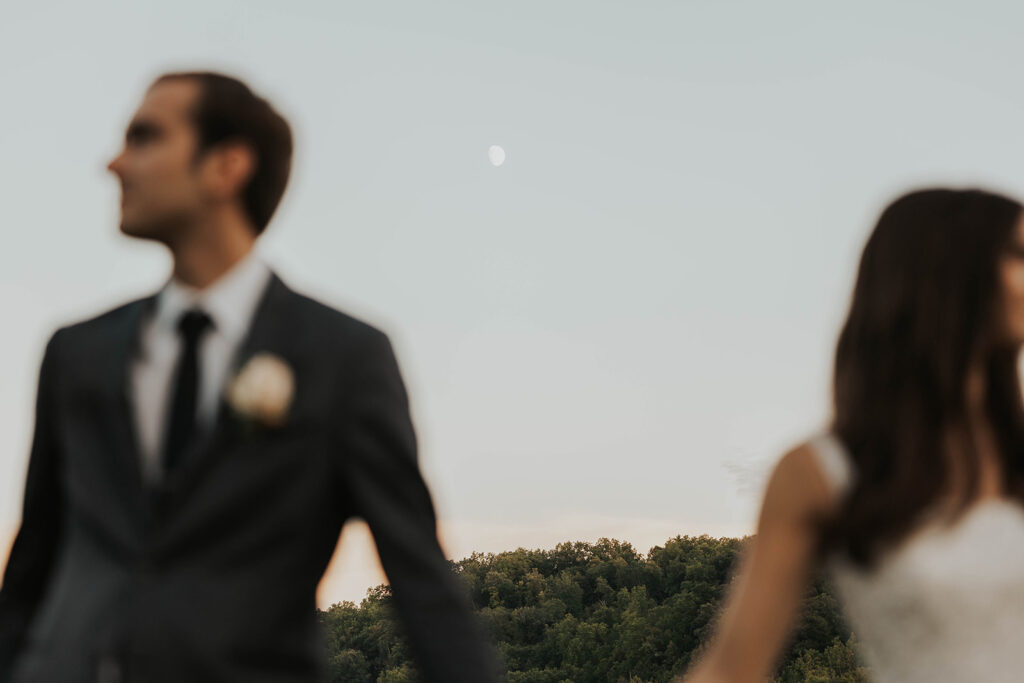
(196, 452)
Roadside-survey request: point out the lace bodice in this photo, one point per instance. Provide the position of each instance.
(947, 604)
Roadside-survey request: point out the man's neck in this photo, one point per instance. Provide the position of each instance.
(200, 262)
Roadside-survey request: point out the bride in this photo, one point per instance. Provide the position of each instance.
(913, 500)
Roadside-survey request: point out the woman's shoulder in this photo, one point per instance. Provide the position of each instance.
(810, 478)
(832, 460)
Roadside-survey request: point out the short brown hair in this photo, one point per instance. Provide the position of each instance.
(228, 110)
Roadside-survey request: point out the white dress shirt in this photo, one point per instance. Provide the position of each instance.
(230, 302)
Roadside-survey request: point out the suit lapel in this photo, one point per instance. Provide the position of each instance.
(267, 332)
(124, 343)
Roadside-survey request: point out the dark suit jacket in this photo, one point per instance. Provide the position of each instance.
(213, 577)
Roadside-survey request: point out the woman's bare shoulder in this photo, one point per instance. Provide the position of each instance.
(799, 487)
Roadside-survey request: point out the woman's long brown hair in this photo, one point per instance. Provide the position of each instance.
(925, 306)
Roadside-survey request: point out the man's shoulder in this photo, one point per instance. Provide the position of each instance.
(101, 324)
(325, 322)
(309, 315)
(314, 308)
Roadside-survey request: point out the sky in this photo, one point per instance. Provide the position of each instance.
(615, 333)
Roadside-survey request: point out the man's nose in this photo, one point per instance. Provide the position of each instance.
(115, 164)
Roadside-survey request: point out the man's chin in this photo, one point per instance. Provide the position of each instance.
(163, 227)
(130, 230)
(139, 231)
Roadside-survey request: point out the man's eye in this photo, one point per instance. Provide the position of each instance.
(140, 135)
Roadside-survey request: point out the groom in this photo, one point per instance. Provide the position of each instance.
(196, 452)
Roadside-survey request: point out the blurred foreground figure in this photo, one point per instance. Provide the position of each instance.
(913, 500)
(196, 452)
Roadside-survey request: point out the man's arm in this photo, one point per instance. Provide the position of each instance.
(31, 559)
(384, 486)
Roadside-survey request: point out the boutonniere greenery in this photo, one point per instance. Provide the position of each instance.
(261, 393)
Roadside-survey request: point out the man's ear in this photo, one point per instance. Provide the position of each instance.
(229, 167)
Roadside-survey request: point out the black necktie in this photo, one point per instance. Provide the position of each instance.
(181, 425)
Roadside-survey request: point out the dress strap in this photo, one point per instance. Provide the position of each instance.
(834, 461)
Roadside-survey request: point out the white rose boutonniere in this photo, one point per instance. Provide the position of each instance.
(262, 390)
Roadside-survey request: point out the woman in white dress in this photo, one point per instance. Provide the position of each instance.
(912, 500)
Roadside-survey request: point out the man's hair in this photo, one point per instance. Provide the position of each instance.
(228, 111)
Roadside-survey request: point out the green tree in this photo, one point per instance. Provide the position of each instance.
(585, 612)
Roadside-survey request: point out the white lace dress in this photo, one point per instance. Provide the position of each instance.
(947, 604)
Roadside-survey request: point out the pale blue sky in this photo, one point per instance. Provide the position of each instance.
(614, 333)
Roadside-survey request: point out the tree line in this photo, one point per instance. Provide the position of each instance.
(588, 612)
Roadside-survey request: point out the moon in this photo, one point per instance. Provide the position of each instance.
(496, 154)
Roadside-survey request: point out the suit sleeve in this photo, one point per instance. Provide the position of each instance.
(384, 486)
(32, 555)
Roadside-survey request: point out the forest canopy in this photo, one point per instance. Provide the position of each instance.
(593, 612)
